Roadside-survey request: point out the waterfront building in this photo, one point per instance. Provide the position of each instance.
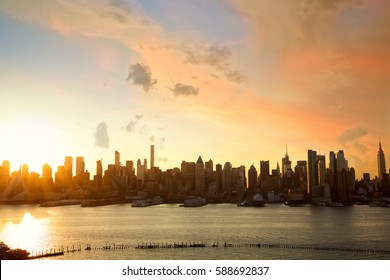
(300, 183)
(241, 182)
(332, 161)
(199, 177)
(286, 171)
(140, 173)
(312, 170)
(218, 178)
(227, 178)
(47, 172)
(209, 174)
(80, 166)
(117, 162)
(252, 180)
(151, 156)
(342, 163)
(264, 170)
(4, 175)
(68, 173)
(188, 176)
(321, 169)
(381, 162)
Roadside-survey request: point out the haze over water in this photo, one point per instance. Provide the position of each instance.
(359, 227)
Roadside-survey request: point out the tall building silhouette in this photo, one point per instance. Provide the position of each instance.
(80, 166)
(227, 178)
(286, 165)
(342, 163)
(381, 162)
(312, 170)
(252, 180)
(68, 172)
(332, 161)
(151, 156)
(264, 170)
(199, 176)
(321, 169)
(117, 161)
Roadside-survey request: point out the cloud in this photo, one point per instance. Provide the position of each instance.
(214, 55)
(160, 141)
(141, 75)
(352, 134)
(131, 126)
(217, 56)
(182, 89)
(235, 76)
(162, 159)
(352, 137)
(101, 135)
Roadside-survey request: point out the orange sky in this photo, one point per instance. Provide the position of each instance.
(233, 81)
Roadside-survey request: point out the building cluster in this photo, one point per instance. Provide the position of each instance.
(310, 180)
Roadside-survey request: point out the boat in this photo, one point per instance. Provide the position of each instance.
(147, 202)
(244, 203)
(194, 201)
(60, 203)
(294, 204)
(258, 200)
(100, 202)
(336, 204)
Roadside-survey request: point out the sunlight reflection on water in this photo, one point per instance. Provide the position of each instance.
(28, 234)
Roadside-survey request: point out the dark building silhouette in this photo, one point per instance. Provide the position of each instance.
(252, 180)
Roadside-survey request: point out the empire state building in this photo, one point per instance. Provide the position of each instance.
(381, 162)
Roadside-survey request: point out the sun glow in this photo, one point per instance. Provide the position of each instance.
(26, 235)
(32, 141)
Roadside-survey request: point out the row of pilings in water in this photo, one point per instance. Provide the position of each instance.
(182, 245)
(259, 245)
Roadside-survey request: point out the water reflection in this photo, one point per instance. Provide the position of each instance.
(29, 234)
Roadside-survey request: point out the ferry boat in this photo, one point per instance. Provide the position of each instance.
(147, 202)
(194, 201)
(256, 201)
(60, 203)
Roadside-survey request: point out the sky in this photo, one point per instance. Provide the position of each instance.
(232, 81)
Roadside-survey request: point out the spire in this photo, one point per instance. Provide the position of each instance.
(200, 160)
(380, 145)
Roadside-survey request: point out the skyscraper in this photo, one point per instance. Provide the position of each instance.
(199, 176)
(312, 170)
(151, 156)
(68, 166)
(381, 162)
(117, 161)
(286, 165)
(99, 168)
(252, 180)
(80, 167)
(341, 162)
(332, 161)
(264, 170)
(227, 178)
(321, 169)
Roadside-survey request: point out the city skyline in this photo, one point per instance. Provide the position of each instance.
(232, 81)
(318, 161)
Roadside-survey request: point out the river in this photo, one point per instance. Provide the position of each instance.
(299, 232)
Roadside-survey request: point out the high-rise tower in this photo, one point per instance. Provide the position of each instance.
(312, 170)
(151, 156)
(199, 176)
(381, 162)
